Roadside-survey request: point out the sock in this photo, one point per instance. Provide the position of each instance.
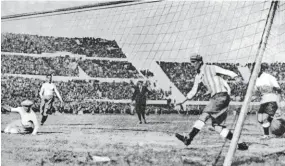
(230, 135)
(193, 133)
(266, 130)
(44, 118)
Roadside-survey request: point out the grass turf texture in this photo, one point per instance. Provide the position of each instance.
(73, 139)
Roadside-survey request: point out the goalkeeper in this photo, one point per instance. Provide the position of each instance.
(28, 124)
(216, 110)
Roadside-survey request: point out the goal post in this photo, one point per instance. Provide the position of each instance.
(244, 109)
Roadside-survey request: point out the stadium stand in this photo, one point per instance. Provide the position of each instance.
(17, 88)
(34, 44)
(59, 66)
(109, 69)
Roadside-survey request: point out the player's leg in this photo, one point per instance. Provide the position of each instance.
(43, 110)
(198, 124)
(42, 106)
(47, 109)
(13, 127)
(138, 110)
(143, 113)
(222, 103)
(265, 116)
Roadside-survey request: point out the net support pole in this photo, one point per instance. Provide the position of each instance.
(247, 100)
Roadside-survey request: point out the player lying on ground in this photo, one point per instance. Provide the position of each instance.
(220, 99)
(270, 91)
(28, 123)
(47, 98)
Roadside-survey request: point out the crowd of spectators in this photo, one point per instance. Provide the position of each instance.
(77, 93)
(109, 69)
(15, 89)
(147, 73)
(35, 44)
(182, 75)
(67, 66)
(277, 69)
(59, 66)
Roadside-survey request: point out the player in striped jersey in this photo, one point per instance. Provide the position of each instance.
(216, 110)
(270, 90)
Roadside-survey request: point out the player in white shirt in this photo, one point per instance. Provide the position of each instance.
(28, 123)
(47, 98)
(270, 92)
(217, 108)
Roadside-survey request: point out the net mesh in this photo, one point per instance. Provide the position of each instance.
(168, 30)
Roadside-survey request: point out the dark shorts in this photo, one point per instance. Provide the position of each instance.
(217, 103)
(217, 108)
(268, 108)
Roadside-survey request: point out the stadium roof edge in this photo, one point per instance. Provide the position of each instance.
(81, 8)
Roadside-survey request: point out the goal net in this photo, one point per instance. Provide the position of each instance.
(159, 36)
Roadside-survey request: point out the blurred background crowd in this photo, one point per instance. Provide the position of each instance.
(78, 94)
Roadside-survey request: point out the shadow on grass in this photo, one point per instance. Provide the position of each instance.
(39, 133)
(48, 132)
(158, 122)
(78, 124)
(111, 129)
(72, 124)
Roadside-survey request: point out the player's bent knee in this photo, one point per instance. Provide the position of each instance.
(224, 132)
(218, 128)
(199, 124)
(265, 124)
(261, 118)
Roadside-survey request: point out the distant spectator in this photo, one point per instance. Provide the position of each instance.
(34, 44)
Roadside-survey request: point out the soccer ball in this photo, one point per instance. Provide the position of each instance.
(277, 126)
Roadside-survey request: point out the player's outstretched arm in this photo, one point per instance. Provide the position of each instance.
(193, 91)
(190, 95)
(6, 107)
(225, 72)
(10, 109)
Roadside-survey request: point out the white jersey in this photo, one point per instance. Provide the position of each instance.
(265, 84)
(48, 89)
(26, 116)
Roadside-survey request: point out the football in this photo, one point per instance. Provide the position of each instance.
(278, 126)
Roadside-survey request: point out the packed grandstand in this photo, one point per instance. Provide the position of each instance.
(83, 94)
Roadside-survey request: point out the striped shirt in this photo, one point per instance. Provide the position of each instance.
(214, 83)
(265, 84)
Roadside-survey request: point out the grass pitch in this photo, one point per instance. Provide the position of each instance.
(74, 139)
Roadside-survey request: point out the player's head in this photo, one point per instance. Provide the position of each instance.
(196, 60)
(27, 104)
(263, 68)
(139, 83)
(49, 78)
